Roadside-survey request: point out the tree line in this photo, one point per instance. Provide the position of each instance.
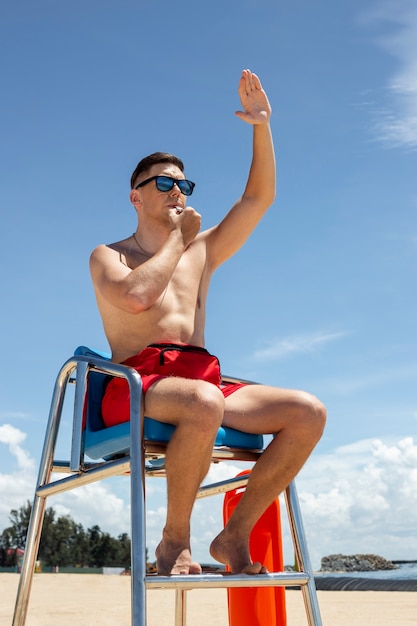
(64, 542)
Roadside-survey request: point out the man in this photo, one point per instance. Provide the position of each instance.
(151, 291)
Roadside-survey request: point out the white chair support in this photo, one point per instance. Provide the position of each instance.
(135, 457)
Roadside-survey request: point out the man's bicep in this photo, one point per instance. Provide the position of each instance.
(108, 273)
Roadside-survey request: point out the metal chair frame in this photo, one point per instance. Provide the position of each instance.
(135, 463)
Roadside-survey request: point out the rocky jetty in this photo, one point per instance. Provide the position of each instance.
(355, 563)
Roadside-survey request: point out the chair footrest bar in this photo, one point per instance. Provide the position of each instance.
(213, 581)
(63, 467)
(222, 486)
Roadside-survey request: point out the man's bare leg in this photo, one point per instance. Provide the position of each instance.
(196, 408)
(298, 419)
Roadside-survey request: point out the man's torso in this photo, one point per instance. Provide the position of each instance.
(178, 316)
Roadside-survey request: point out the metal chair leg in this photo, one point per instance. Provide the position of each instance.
(39, 503)
(302, 557)
(28, 566)
(138, 528)
(180, 607)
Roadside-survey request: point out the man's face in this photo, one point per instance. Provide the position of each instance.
(154, 202)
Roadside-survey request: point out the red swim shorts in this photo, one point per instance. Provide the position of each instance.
(159, 361)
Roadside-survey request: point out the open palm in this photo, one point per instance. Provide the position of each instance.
(256, 107)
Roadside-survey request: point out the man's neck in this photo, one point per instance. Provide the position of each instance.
(150, 239)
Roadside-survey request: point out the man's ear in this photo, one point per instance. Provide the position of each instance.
(135, 197)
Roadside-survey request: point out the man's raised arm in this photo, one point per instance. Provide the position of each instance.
(231, 233)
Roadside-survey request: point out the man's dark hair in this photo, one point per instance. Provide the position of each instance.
(157, 157)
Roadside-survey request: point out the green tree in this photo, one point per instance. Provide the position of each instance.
(8, 556)
(125, 546)
(64, 542)
(105, 550)
(18, 530)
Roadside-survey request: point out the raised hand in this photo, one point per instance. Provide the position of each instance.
(256, 107)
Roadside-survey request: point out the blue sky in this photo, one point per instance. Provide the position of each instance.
(323, 295)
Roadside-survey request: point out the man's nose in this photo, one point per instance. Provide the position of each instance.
(176, 189)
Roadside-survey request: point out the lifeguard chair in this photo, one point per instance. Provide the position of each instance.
(98, 452)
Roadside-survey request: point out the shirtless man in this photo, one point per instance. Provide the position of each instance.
(152, 288)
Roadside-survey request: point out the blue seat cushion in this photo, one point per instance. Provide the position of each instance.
(106, 442)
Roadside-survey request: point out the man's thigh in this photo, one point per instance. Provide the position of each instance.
(168, 399)
(262, 409)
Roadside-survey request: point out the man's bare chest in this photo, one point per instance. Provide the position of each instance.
(188, 284)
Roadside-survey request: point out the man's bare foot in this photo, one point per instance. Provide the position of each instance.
(235, 555)
(174, 559)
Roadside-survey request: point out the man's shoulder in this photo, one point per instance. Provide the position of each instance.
(107, 255)
(110, 248)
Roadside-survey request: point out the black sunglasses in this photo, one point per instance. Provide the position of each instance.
(166, 183)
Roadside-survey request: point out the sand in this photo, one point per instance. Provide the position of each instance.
(97, 600)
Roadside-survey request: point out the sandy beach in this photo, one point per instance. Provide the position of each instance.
(96, 600)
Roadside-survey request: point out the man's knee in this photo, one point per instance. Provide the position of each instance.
(313, 413)
(205, 405)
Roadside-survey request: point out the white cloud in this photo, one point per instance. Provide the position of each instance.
(362, 498)
(95, 504)
(397, 123)
(17, 485)
(365, 378)
(14, 416)
(11, 435)
(280, 348)
(356, 498)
